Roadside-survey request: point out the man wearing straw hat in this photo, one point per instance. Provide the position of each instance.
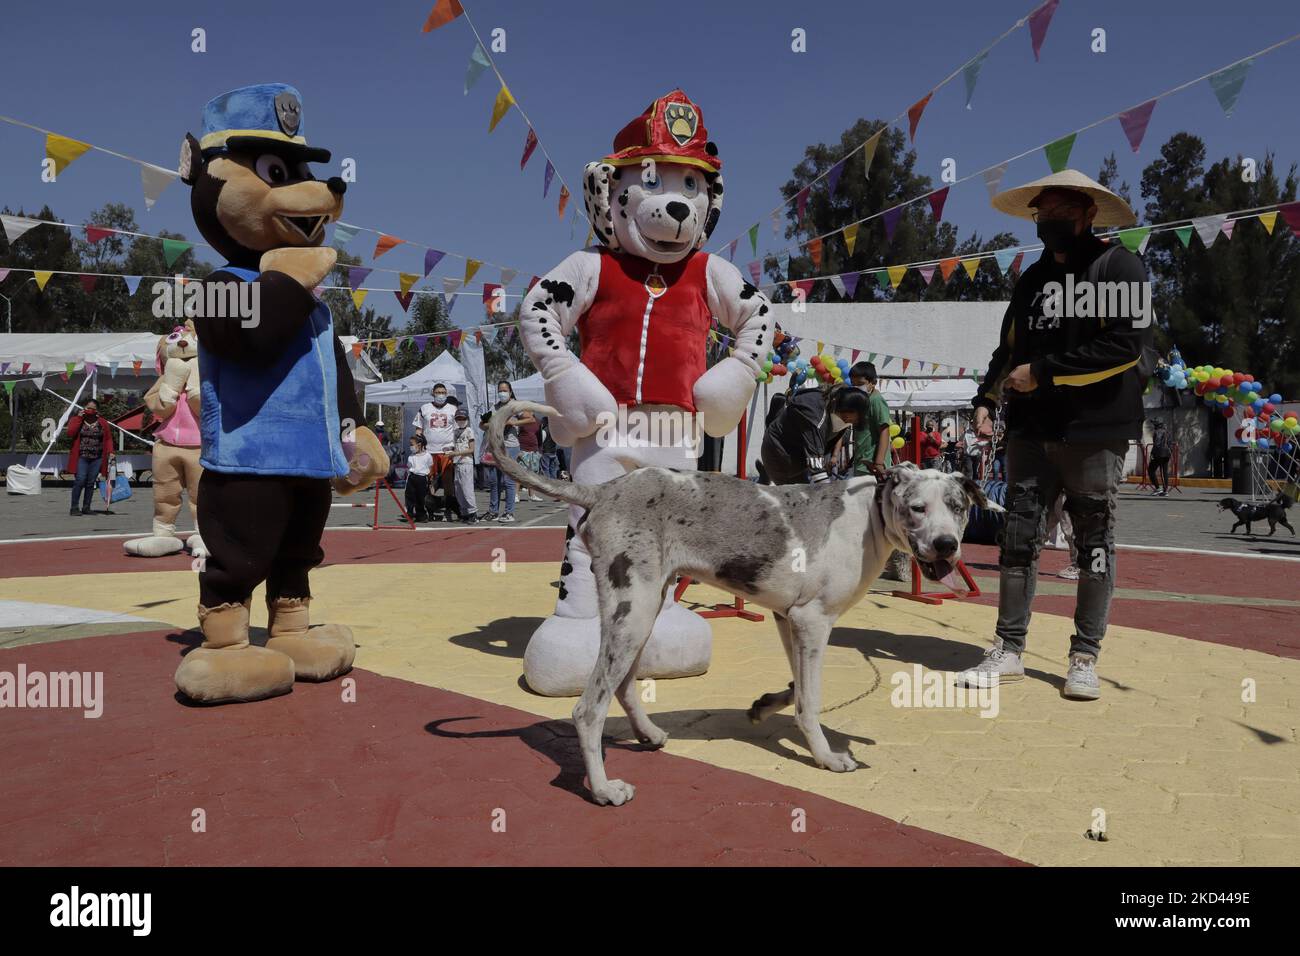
(1070, 367)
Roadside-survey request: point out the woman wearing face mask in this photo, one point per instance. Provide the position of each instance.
(501, 487)
(92, 446)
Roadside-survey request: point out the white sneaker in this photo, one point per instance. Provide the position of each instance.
(1070, 572)
(999, 666)
(1081, 681)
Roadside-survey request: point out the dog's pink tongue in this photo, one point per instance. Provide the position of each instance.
(954, 582)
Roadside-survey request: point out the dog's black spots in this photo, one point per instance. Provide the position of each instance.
(623, 610)
(650, 503)
(753, 355)
(617, 173)
(539, 306)
(763, 328)
(681, 521)
(618, 570)
(564, 592)
(760, 340)
(711, 148)
(622, 198)
(762, 310)
(591, 182)
(622, 213)
(566, 568)
(568, 535)
(562, 291)
(609, 231)
(555, 348)
(744, 570)
(748, 291)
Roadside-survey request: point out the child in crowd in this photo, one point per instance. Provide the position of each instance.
(463, 455)
(419, 462)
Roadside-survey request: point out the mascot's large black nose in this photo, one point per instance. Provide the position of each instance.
(945, 546)
(678, 210)
(337, 185)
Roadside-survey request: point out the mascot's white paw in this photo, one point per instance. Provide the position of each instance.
(580, 398)
(562, 651)
(154, 546)
(195, 546)
(722, 394)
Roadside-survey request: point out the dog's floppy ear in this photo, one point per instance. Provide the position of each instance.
(192, 162)
(715, 208)
(595, 194)
(903, 471)
(975, 494)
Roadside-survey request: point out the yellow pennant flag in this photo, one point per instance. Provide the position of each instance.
(869, 153)
(42, 278)
(1268, 219)
(471, 267)
(500, 107)
(359, 296)
(391, 345)
(896, 273)
(851, 235)
(971, 266)
(821, 346)
(63, 150)
(406, 280)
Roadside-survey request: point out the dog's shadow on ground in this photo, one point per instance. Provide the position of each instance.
(504, 637)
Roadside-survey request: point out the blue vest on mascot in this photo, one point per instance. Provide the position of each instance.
(281, 419)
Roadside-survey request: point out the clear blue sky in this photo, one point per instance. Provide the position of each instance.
(121, 75)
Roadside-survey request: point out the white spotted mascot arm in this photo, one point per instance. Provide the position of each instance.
(550, 311)
(723, 392)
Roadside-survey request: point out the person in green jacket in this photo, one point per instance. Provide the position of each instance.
(871, 454)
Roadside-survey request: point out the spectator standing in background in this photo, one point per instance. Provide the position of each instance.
(1161, 452)
(931, 445)
(871, 434)
(436, 422)
(418, 465)
(530, 451)
(92, 446)
(462, 453)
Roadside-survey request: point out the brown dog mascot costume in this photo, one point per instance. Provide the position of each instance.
(279, 418)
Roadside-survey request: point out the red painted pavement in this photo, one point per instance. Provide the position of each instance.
(407, 774)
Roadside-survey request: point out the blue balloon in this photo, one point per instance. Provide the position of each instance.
(1263, 443)
(1275, 398)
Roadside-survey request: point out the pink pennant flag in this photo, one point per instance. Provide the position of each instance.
(801, 202)
(927, 273)
(1135, 122)
(1291, 213)
(530, 144)
(1226, 228)
(454, 338)
(937, 199)
(731, 250)
(853, 360)
(1039, 21)
(4, 274)
(756, 270)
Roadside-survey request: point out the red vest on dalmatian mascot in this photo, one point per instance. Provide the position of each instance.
(654, 357)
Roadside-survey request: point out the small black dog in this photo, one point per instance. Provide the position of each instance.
(1274, 512)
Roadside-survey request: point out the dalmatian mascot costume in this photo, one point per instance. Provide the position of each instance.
(642, 302)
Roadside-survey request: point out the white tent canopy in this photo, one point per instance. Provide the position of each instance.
(415, 388)
(52, 351)
(530, 389)
(945, 394)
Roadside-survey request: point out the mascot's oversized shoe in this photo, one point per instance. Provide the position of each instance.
(562, 651)
(319, 653)
(226, 668)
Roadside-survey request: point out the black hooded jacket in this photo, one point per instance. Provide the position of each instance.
(1088, 368)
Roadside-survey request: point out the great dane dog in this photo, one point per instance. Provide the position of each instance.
(806, 552)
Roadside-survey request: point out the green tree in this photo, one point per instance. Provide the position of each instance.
(1236, 304)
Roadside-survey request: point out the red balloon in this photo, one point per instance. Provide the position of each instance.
(1227, 413)
(1238, 378)
(779, 369)
(1268, 408)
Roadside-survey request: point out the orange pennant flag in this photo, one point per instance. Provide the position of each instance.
(914, 114)
(564, 199)
(815, 250)
(444, 11)
(946, 266)
(502, 105)
(384, 244)
(63, 150)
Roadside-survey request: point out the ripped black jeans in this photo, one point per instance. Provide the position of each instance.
(1037, 472)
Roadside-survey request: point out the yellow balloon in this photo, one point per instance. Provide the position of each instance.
(894, 429)
(899, 443)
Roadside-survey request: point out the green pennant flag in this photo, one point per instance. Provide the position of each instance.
(173, 249)
(1184, 234)
(1058, 153)
(9, 387)
(71, 366)
(753, 238)
(1132, 238)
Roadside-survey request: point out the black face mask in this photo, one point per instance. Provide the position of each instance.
(1058, 235)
